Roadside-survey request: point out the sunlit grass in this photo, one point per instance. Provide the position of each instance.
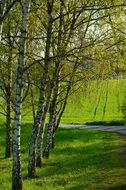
(82, 104)
(81, 107)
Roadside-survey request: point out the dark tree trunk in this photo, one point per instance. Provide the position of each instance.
(53, 142)
(32, 104)
(8, 149)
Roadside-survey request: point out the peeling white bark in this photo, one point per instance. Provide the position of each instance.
(16, 172)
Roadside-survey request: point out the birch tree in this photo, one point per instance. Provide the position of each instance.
(40, 111)
(62, 41)
(8, 58)
(16, 171)
(4, 10)
(56, 84)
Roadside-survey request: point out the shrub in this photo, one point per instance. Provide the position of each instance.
(123, 108)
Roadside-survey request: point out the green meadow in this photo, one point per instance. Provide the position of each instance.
(101, 101)
(82, 160)
(98, 101)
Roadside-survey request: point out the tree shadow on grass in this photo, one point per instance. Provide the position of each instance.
(2, 134)
(82, 187)
(89, 153)
(121, 187)
(79, 158)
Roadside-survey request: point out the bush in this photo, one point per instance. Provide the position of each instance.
(123, 109)
(107, 123)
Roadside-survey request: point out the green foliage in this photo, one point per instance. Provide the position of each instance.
(81, 160)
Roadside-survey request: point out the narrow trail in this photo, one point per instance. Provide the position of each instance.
(115, 129)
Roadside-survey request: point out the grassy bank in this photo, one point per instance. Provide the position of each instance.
(101, 101)
(82, 160)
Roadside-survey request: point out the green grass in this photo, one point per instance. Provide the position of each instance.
(82, 160)
(82, 106)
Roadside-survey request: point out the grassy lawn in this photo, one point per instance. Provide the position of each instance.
(86, 106)
(82, 160)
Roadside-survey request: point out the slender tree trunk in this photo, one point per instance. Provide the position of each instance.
(8, 148)
(42, 130)
(32, 104)
(57, 120)
(53, 106)
(2, 8)
(49, 132)
(16, 170)
(97, 104)
(52, 113)
(33, 140)
(40, 142)
(106, 99)
(36, 126)
(53, 133)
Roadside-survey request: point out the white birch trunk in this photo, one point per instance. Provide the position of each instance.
(16, 171)
(36, 126)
